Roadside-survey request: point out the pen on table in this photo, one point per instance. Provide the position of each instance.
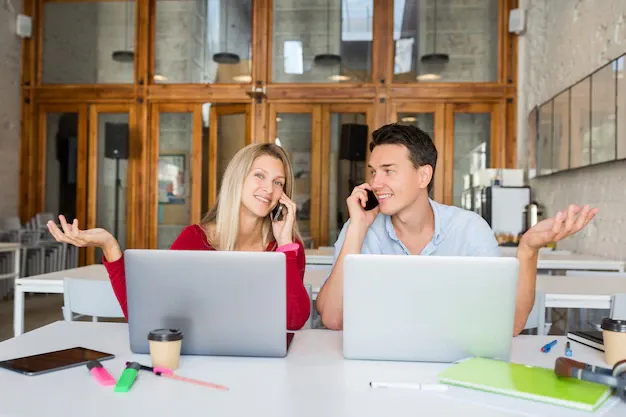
(568, 350)
(167, 373)
(407, 385)
(546, 348)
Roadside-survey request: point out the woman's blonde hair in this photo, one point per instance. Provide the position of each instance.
(224, 215)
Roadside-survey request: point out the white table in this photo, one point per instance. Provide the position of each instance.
(51, 283)
(313, 380)
(547, 260)
(565, 291)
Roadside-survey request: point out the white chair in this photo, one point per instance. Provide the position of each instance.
(618, 307)
(584, 314)
(90, 298)
(309, 291)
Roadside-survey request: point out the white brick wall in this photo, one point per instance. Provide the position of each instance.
(565, 41)
(10, 51)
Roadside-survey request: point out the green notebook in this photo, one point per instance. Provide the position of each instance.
(533, 383)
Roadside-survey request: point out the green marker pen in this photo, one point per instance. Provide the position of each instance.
(127, 378)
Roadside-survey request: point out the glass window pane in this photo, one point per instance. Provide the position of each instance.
(472, 140)
(580, 122)
(293, 133)
(231, 137)
(174, 176)
(348, 146)
(465, 32)
(104, 51)
(112, 180)
(603, 115)
(621, 107)
(61, 160)
(322, 41)
(205, 41)
(546, 136)
(561, 131)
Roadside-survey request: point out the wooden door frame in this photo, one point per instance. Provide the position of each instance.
(195, 109)
(95, 110)
(496, 148)
(217, 110)
(439, 114)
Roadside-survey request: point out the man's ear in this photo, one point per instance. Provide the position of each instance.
(425, 175)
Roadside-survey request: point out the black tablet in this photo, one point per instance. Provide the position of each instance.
(54, 361)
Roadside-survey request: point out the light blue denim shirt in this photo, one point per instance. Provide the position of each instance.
(458, 232)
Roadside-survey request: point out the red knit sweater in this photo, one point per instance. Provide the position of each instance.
(194, 238)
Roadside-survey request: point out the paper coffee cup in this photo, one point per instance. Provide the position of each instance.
(614, 335)
(165, 346)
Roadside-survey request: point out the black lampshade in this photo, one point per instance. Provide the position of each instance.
(327, 60)
(435, 59)
(123, 56)
(226, 58)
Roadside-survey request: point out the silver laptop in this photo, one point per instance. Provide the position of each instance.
(226, 303)
(428, 308)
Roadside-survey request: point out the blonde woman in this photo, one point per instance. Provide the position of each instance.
(256, 181)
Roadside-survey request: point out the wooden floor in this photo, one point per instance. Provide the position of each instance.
(40, 309)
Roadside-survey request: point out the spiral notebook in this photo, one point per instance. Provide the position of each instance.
(529, 382)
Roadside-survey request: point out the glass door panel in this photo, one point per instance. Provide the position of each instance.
(230, 133)
(296, 127)
(346, 133)
(60, 186)
(175, 146)
(109, 152)
(470, 147)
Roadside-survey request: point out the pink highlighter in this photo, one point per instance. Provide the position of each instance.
(100, 373)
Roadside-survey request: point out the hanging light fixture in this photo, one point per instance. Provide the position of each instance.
(433, 62)
(327, 59)
(124, 55)
(226, 57)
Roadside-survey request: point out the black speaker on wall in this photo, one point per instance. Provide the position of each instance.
(353, 145)
(116, 140)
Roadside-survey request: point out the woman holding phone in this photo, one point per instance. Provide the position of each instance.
(253, 212)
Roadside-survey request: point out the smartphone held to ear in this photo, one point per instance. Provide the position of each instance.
(277, 213)
(372, 201)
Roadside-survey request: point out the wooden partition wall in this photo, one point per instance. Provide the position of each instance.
(144, 104)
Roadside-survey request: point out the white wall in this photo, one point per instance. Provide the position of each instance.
(565, 41)
(10, 57)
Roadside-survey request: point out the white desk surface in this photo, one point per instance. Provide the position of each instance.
(95, 271)
(314, 380)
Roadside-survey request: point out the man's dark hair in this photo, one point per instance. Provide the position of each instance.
(421, 148)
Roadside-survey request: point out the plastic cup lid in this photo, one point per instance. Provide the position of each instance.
(165, 335)
(614, 325)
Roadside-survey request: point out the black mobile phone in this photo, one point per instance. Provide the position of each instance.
(277, 213)
(372, 201)
(54, 361)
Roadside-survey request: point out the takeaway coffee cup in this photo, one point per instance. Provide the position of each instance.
(614, 335)
(165, 346)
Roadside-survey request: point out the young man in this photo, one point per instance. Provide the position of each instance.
(407, 222)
